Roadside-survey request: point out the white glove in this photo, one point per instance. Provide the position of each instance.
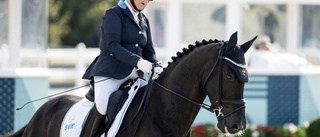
(158, 70)
(144, 65)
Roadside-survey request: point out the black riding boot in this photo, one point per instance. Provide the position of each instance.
(94, 125)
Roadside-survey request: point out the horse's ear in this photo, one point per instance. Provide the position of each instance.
(247, 45)
(232, 41)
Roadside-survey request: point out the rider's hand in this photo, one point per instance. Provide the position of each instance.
(144, 65)
(158, 70)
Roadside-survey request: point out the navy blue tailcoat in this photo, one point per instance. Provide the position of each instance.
(123, 42)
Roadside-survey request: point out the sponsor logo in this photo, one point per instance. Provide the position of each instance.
(70, 125)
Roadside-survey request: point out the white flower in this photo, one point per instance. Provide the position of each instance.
(255, 133)
(306, 124)
(291, 128)
(252, 127)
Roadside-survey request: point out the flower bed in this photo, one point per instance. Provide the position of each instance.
(287, 130)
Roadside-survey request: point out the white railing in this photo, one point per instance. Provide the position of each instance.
(67, 65)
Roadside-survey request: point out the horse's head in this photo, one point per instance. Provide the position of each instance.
(224, 85)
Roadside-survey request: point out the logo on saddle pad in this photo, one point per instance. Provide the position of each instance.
(71, 125)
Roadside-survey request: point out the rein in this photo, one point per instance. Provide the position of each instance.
(203, 105)
(144, 101)
(146, 97)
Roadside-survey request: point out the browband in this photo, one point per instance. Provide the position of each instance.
(234, 63)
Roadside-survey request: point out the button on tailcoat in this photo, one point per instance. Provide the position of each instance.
(123, 42)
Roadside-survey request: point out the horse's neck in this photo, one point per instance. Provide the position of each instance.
(183, 77)
(186, 74)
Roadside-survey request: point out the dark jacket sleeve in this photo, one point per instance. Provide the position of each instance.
(111, 31)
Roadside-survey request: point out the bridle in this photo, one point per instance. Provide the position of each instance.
(218, 106)
(220, 101)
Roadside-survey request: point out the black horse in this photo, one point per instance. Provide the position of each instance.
(210, 68)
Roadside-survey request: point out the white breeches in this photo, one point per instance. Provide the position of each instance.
(103, 90)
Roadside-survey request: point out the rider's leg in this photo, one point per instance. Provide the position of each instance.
(103, 88)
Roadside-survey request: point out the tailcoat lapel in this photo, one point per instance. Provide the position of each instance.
(127, 12)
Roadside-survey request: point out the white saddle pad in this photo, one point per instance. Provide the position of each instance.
(74, 119)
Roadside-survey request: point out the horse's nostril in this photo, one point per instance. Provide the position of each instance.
(236, 126)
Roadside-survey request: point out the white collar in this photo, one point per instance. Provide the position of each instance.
(135, 15)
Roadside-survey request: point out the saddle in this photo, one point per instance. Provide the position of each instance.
(116, 101)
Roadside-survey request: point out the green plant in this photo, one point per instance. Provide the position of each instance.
(314, 128)
(204, 130)
(74, 21)
(286, 130)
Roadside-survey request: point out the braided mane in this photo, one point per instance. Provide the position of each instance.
(190, 48)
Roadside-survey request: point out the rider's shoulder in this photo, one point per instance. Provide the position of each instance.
(114, 11)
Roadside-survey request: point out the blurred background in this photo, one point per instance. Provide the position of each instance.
(46, 45)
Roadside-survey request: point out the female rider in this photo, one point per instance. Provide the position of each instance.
(126, 49)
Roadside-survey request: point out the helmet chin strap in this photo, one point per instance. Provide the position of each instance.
(134, 5)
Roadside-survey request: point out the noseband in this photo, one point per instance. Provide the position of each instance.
(218, 106)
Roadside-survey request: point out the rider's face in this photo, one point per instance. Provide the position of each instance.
(141, 4)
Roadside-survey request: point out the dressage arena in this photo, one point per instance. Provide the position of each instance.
(275, 95)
